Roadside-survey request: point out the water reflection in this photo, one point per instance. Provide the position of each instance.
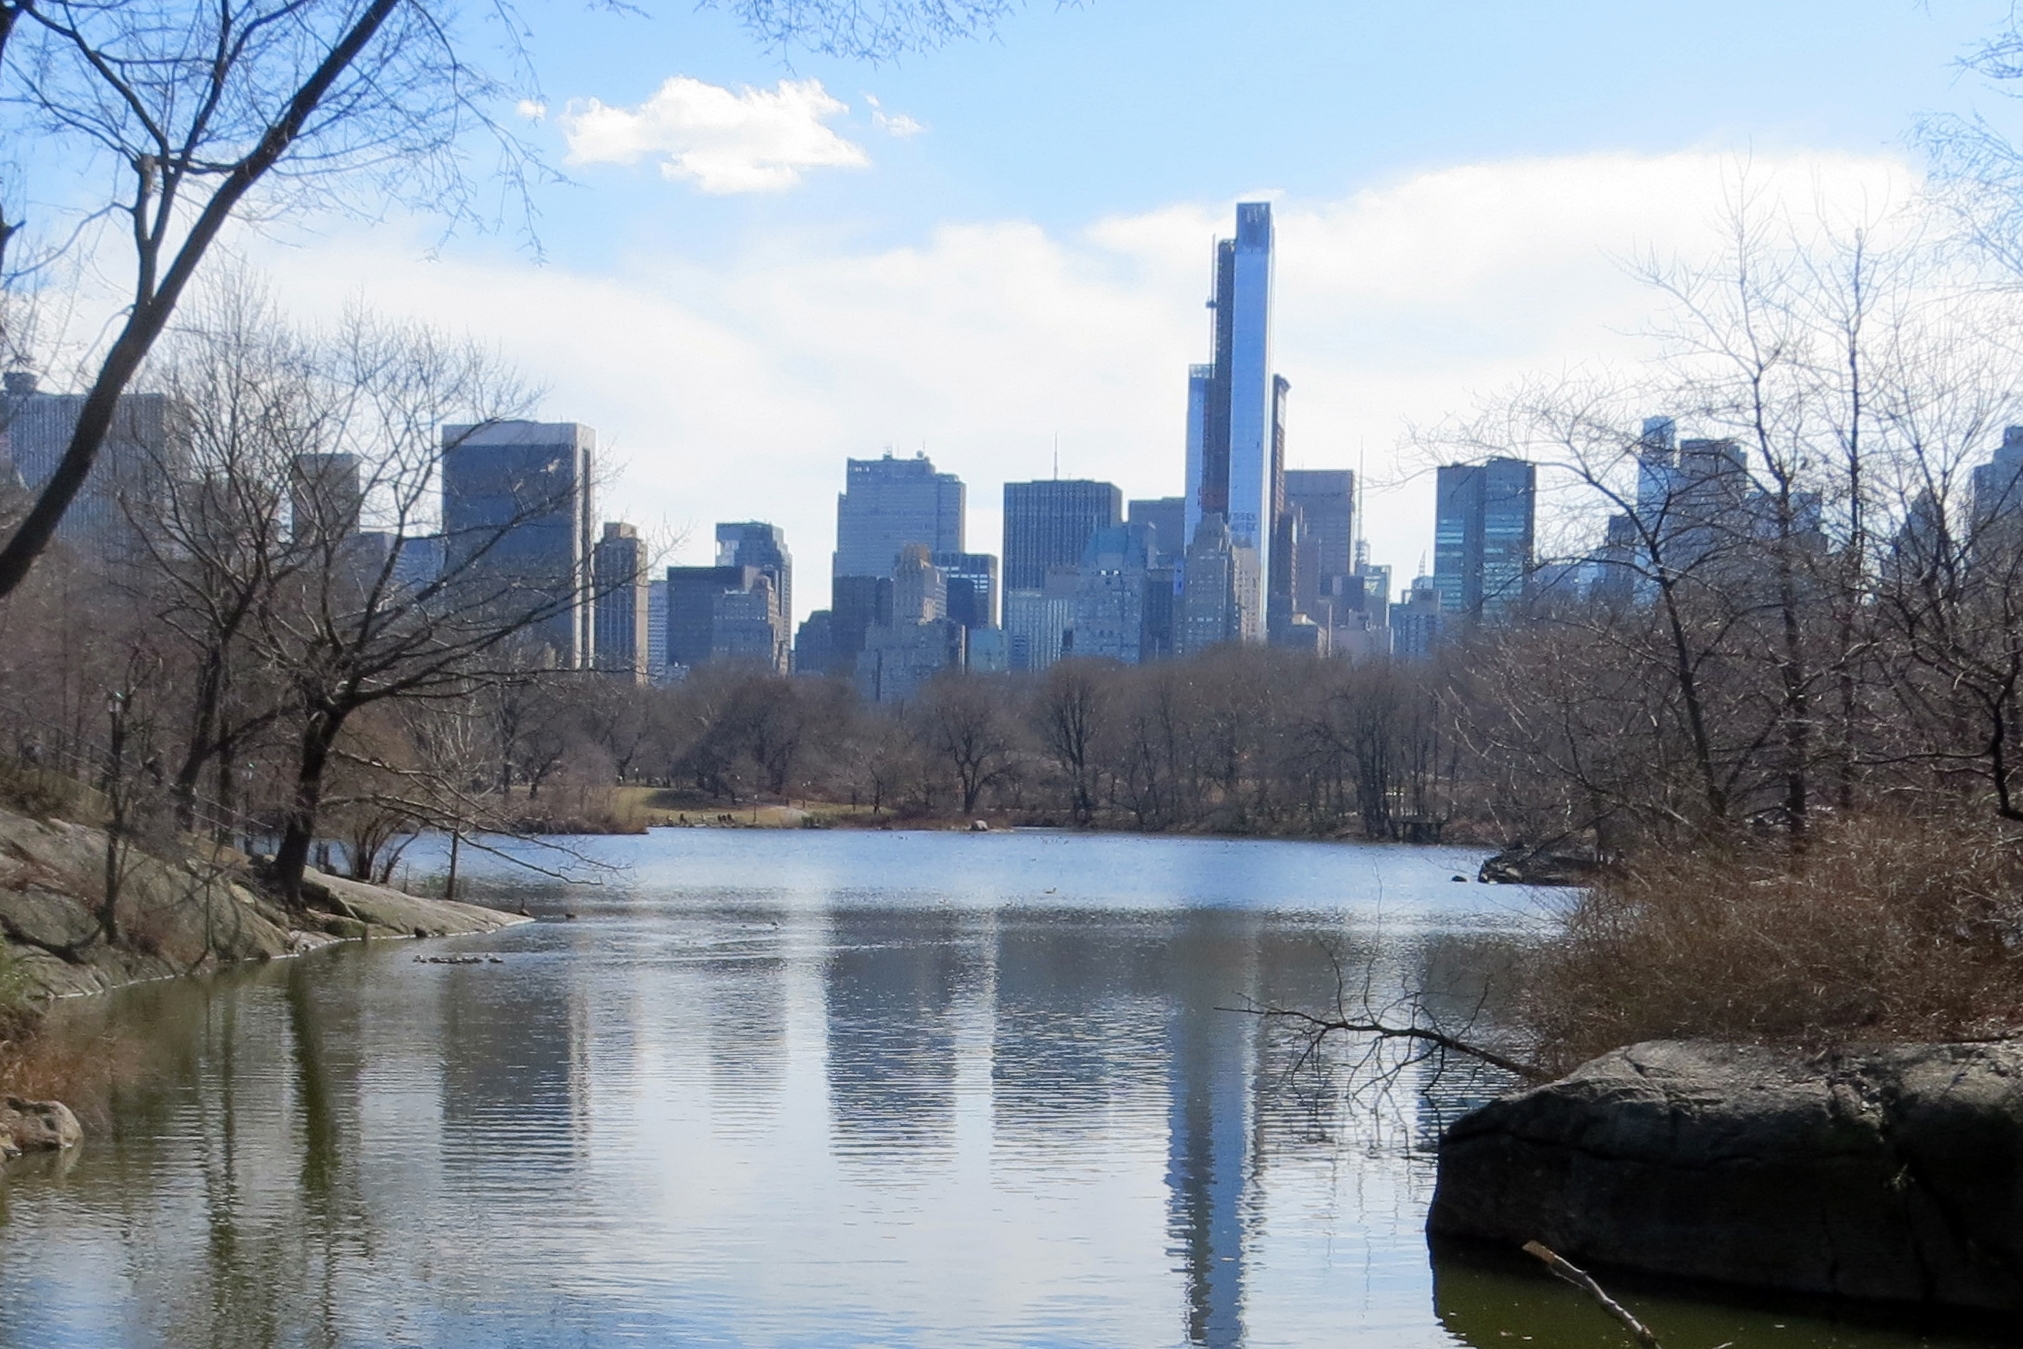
(895, 985)
(1487, 1298)
(783, 1090)
(1211, 1081)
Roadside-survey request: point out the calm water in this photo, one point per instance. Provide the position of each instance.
(800, 1089)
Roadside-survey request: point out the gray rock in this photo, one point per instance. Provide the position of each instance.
(1889, 1174)
(37, 1126)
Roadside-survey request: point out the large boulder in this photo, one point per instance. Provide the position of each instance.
(36, 1126)
(1890, 1174)
(1541, 864)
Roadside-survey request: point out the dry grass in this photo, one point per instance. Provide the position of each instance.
(1878, 930)
(81, 1073)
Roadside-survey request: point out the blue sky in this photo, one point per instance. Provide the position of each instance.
(1456, 185)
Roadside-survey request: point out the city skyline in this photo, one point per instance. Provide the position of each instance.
(985, 281)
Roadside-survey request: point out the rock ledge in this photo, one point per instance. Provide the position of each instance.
(36, 1126)
(1888, 1174)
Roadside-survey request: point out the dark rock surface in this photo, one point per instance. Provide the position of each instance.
(1545, 864)
(1890, 1174)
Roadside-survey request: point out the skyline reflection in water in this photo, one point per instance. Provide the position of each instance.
(782, 1089)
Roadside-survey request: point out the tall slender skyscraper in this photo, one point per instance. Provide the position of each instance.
(1252, 397)
(1233, 457)
(1200, 386)
(618, 571)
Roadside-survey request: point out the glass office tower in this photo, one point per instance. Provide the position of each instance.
(1482, 537)
(1251, 399)
(1048, 524)
(518, 518)
(1231, 413)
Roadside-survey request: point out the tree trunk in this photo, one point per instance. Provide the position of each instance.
(298, 830)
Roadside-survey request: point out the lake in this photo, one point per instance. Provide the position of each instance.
(814, 1089)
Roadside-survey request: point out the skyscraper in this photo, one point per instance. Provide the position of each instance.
(888, 503)
(1240, 442)
(972, 588)
(1416, 621)
(656, 629)
(1998, 484)
(1253, 399)
(919, 588)
(1109, 617)
(724, 614)
(918, 641)
(1482, 541)
(857, 604)
(747, 624)
(1200, 483)
(517, 523)
(142, 453)
(753, 543)
(1285, 527)
(1037, 622)
(325, 497)
(1049, 524)
(1322, 501)
(1217, 574)
(618, 577)
(1164, 520)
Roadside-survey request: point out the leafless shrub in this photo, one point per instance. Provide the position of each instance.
(1879, 929)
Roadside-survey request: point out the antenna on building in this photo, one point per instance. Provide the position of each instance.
(1057, 456)
(1361, 553)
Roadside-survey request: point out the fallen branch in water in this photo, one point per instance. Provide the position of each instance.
(1319, 1027)
(1581, 1279)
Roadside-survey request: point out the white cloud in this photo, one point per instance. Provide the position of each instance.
(532, 109)
(756, 140)
(736, 390)
(892, 123)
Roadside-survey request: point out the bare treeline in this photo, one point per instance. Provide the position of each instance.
(1238, 740)
(275, 638)
(1808, 591)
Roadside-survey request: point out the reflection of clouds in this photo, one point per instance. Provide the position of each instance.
(1076, 1032)
(893, 981)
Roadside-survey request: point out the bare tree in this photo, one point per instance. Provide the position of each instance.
(201, 111)
(206, 109)
(1071, 709)
(964, 727)
(363, 625)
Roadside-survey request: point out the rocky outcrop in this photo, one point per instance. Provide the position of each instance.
(171, 916)
(1544, 864)
(177, 915)
(394, 913)
(1890, 1174)
(36, 1126)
